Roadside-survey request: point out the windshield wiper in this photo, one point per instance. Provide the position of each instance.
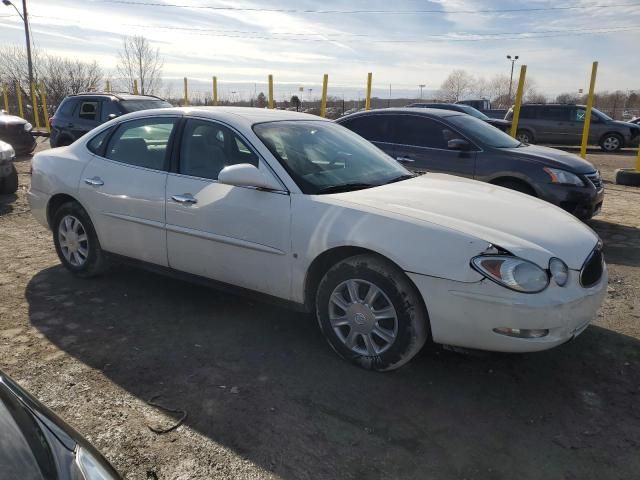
(405, 176)
(344, 187)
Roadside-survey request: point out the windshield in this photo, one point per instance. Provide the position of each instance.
(323, 156)
(600, 114)
(135, 105)
(473, 112)
(482, 132)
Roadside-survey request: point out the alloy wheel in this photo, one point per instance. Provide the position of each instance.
(74, 241)
(363, 317)
(611, 143)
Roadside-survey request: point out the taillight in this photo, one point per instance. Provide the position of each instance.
(50, 120)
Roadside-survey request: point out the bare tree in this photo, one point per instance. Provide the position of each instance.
(457, 85)
(66, 76)
(138, 60)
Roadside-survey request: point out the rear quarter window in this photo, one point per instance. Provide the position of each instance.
(67, 107)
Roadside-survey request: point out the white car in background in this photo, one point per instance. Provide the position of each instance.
(301, 209)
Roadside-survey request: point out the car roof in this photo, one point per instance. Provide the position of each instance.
(119, 96)
(247, 115)
(427, 112)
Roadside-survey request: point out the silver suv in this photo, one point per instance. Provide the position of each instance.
(559, 124)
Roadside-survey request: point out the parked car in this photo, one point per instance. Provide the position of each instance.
(635, 121)
(8, 172)
(450, 142)
(503, 125)
(78, 114)
(560, 124)
(37, 445)
(299, 209)
(16, 131)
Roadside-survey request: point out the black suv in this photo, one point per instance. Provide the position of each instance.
(560, 124)
(77, 114)
(442, 141)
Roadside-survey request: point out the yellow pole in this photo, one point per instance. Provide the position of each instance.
(638, 161)
(323, 104)
(19, 95)
(587, 113)
(367, 104)
(516, 107)
(45, 113)
(108, 86)
(215, 90)
(5, 94)
(135, 86)
(34, 105)
(271, 91)
(186, 92)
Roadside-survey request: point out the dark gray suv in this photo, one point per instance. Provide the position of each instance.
(559, 124)
(429, 140)
(77, 114)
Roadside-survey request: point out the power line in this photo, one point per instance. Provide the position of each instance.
(368, 11)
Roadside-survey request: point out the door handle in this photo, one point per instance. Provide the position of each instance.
(94, 182)
(185, 198)
(405, 159)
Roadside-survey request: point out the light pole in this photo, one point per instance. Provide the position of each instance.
(422, 85)
(25, 19)
(513, 61)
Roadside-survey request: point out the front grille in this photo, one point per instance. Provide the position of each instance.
(595, 179)
(592, 269)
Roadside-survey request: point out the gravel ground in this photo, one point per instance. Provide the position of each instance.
(267, 398)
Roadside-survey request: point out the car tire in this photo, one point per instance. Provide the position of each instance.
(524, 136)
(9, 184)
(517, 185)
(611, 142)
(76, 242)
(628, 176)
(382, 334)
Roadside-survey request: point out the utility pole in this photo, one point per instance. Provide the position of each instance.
(25, 18)
(513, 61)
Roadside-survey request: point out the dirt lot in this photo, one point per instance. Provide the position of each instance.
(267, 398)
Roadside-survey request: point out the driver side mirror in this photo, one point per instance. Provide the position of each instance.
(458, 144)
(247, 175)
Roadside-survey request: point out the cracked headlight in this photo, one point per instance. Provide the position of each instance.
(512, 272)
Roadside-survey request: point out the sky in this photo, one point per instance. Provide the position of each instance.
(404, 43)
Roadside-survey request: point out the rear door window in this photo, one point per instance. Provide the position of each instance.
(558, 114)
(142, 143)
(375, 128)
(422, 132)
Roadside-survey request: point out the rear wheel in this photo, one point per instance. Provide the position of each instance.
(9, 184)
(524, 136)
(611, 142)
(371, 314)
(76, 241)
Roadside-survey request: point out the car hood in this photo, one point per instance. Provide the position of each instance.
(11, 120)
(498, 122)
(525, 226)
(552, 157)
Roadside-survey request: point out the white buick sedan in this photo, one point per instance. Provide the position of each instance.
(300, 209)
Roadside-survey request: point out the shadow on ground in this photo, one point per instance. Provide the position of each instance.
(621, 242)
(301, 412)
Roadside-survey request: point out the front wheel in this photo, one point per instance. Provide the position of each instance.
(9, 184)
(524, 136)
(371, 314)
(611, 142)
(76, 241)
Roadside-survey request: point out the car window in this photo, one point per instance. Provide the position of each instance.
(208, 147)
(578, 114)
(560, 114)
(375, 128)
(88, 110)
(142, 143)
(483, 133)
(109, 107)
(136, 105)
(526, 112)
(322, 155)
(67, 106)
(97, 143)
(422, 132)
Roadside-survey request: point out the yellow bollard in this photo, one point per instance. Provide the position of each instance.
(215, 90)
(638, 161)
(34, 105)
(323, 104)
(367, 103)
(587, 113)
(5, 94)
(271, 91)
(43, 95)
(135, 86)
(107, 86)
(19, 95)
(516, 107)
(186, 92)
